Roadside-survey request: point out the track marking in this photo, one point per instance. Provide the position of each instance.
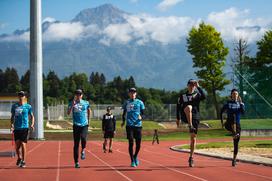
(113, 168)
(58, 168)
(26, 155)
(254, 174)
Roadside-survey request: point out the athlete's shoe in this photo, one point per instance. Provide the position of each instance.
(22, 164)
(133, 164)
(110, 150)
(83, 156)
(18, 162)
(104, 148)
(77, 165)
(191, 162)
(191, 129)
(233, 163)
(136, 161)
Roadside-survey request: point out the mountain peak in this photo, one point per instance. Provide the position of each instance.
(102, 16)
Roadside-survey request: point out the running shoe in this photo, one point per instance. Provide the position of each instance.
(191, 162)
(77, 165)
(104, 148)
(83, 156)
(136, 161)
(133, 164)
(18, 162)
(233, 163)
(110, 150)
(22, 164)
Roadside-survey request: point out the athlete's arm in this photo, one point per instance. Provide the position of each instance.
(224, 108)
(89, 115)
(103, 123)
(12, 122)
(32, 121)
(114, 123)
(123, 118)
(178, 112)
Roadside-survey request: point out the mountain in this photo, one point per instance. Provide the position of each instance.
(152, 64)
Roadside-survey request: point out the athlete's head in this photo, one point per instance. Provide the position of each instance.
(234, 94)
(21, 96)
(132, 92)
(109, 109)
(191, 85)
(78, 94)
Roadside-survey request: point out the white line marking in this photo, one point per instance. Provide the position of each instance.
(113, 168)
(172, 169)
(58, 169)
(254, 174)
(26, 154)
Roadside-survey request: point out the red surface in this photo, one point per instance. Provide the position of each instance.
(53, 160)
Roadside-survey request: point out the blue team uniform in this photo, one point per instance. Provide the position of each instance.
(234, 109)
(21, 113)
(133, 109)
(80, 116)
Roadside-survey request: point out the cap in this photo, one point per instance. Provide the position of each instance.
(234, 90)
(132, 89)
(191, 81)
(78, 91)
(21, 93)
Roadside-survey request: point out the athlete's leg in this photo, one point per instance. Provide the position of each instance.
(83, 137)
(23, 151)
(110, 144)
(18, 145)
(130, 149)
(138, 147)
(192, 144)
(188, 113)
(76, 134)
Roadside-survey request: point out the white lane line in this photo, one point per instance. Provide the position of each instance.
(113, 168)
(58, 169)
(168, 168)
(253, 174)
(26, 154)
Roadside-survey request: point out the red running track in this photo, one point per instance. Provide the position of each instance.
(53, 161)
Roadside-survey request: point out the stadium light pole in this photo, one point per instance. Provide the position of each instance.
(36, 81)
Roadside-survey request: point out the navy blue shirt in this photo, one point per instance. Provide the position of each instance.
(234, 109)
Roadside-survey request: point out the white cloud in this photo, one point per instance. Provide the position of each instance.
(60, 31)
(166, 4)
(49, 19)
(17, 38)
(234, 23)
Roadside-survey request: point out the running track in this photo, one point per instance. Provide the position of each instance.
(52, 161)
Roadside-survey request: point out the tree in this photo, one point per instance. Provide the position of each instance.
(12, 83)
(53, 84)
(262, 74)
(25, 84)
(241, 62)
(2, 80)
(209, 56)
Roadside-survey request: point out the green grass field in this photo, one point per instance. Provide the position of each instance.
(245, 144)
(245, 123)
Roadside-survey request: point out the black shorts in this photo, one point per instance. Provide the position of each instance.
(134, 132)
(109, 134)
(21, 134)
(195, 123)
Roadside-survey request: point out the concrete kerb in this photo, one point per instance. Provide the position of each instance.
(214, 155)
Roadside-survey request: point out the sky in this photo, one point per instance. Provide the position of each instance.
(166, 20)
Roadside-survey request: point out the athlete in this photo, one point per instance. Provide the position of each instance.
(188, 111)
(133, 110)
(234, 108)
(21, 113)
(81, 119)
(108, 128)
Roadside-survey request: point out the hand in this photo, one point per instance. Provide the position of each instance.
(114, 132)
(32, 127)
(11, 128)
(196, 84)
(177, 122)
(122, 124)
(140, 117)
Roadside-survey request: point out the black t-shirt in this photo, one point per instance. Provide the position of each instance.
(108, 122)
(190, 99)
